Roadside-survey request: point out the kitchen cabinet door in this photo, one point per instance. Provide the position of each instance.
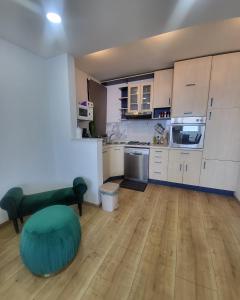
(146, 96)
(191, 87)
(116, 161)
(224, 85)
(113, 104)
(175, 166)
(219, 174)
(222, 139)
(106, 166)
(163, 84)
(192, 167)
(81, 86)
(134, 98)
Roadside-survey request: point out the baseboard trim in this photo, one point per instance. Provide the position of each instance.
(193, 187)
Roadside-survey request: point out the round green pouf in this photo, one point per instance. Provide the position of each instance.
(50, 240)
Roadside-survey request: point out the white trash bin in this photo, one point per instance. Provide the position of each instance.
(109, 196)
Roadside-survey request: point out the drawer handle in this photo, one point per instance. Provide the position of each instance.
(157, 162)
(185, 153)
(157, 172)
(211, 102)
(188, 113)
(190, 84)
(158, 151)
(210, 115)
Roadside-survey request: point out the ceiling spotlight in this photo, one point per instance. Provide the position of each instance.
(54, 18)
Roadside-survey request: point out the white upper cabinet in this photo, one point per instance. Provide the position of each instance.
(225, 87)
(140, 96)
(81, 86)
(222, 139)
(134, 94)
(113, 103)
(146, 97)
(191, 87)
(163, 85)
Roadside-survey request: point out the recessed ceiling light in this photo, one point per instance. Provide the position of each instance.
(54, 18)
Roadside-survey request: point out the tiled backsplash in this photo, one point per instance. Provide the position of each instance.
(137, 130)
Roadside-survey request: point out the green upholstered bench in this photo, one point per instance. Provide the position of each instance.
(50, 240)
(19, 205)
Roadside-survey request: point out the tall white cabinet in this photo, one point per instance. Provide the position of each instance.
(225, 87)
(191, 87)
(221, 154)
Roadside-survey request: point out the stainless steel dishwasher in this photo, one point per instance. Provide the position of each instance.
(136, 161)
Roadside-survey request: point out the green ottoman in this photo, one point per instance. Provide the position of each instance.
(50, 240)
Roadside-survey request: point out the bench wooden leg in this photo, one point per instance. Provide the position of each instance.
(80, 208)
(15, 224)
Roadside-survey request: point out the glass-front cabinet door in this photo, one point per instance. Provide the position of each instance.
(146, 97)
(133, 98)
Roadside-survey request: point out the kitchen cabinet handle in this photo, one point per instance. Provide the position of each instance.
(186, 167)
(157, 172)
(169, 101)
(185, 153)
(190, 84)
(180, 167)
(211, 103)
(204, 165)
(188, 113)
(210, 115)
(157, 162)
(158, 151)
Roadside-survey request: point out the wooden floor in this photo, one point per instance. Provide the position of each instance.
(165, 243)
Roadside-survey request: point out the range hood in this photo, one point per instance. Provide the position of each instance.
(139, 115)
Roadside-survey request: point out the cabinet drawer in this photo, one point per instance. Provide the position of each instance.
(158, 174)
(159, 154)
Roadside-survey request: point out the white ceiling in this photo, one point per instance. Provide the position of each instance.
(162, 51)
(91, 25)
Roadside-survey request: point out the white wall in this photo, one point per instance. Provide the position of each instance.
(72, 157)
(37, 123)
(26, 156)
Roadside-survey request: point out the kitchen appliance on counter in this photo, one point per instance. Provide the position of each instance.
(85, 111)
(136, 162)
(187, 132)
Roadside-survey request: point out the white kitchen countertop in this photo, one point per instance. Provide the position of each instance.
(153, 146)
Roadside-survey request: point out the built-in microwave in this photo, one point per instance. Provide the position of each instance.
(85, 112)
(187, 132)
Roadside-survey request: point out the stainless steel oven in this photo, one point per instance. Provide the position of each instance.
(187, 132)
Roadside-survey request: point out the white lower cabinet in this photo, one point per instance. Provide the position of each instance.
(116, 161)
(113, 161)
(219, 174)
(106, 171)
(184, 166)
(158, 164)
